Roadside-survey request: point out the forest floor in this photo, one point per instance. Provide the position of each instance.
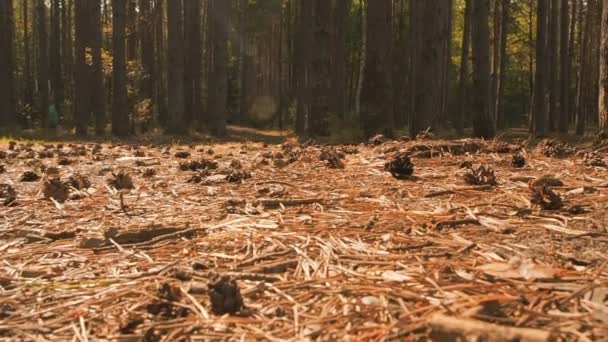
(250, 241)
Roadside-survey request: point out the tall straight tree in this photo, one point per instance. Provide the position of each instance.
(43, 62)
(320, 77)
(464, 70)
(603, 97)
(565, 63)
(428, 40)
(147, 48)
(120, 120)
(7, 58)
(218, 81)
(302, 62)
(539, 112)
(82, 73)
(502, 71)
(175, 57)
(97, 80)
(376, 95)
(193, 56)
(55, 55)
(483, 121)
(554, 68)
(341, 14)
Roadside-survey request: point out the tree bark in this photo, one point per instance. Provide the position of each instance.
(43, 63)
(7, 81)
(55, 56)
(318, 117)
(539, 103)
(341, 15)
(97, 81)
(120, 119)
(464, 70)
(582, 91)
(193, 55)
(218, 82)
(146, 26)
(82, 83)
(303, 56)
(428, 39)
(603, 89)
(504, 58)
(553, 47)
(376, 96)
(564, 68)
(132, 29)
(483, 121)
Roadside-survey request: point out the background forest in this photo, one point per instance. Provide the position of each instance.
(348, 68)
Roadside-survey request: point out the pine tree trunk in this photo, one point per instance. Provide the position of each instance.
(303, 56)
(55, 56)
(603, 89)
(428, 39)
(320, 72)
(192, 13)
(483, 121)
(339, 70)
(376, 95)
(82, 83)
(218, 87)
(564, 68)
(132, 29)
(583, 69)
(120, 120)
(504, 58)
(97, 80)
(160, 63)
(29, 87)
(553, 47)
(146, 26)
(176, 70)
(43, 62)
(464, 70)
(539, 112)
(7, 81)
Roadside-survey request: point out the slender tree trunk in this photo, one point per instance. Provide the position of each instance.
(192, 13)
(303, 54)
(504, 58)
(120, 120)
(464, 70)
(43, 62)
(147, 49)
(553, 50)
(564, 68)
(82, 83)
(483, 121)
(429, 39)
(220, 17)
(376, 97)
(55, 56)
(97, 79)
(160, 64)
(496, 27)
(539, 103)
(175, 57)
(573, 66)
(583, 76)
(132, 29)
(29, 87)
(321, 70)
(7, 80)
(339, 69)
(603, 97)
